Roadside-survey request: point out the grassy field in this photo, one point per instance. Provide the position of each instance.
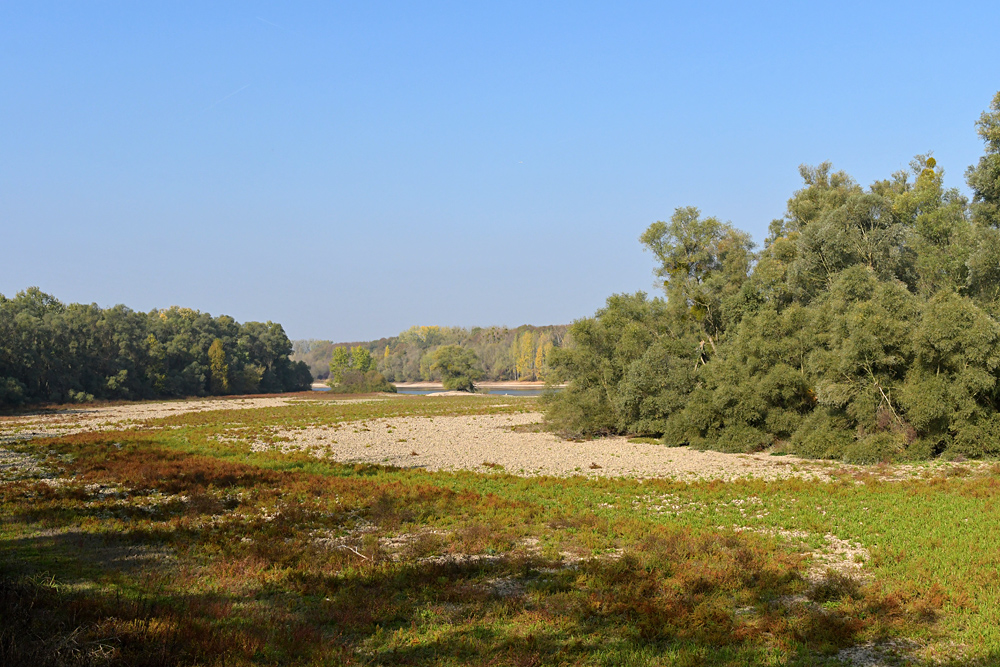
(170, 541)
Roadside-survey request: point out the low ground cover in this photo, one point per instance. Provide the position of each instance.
(171, 541)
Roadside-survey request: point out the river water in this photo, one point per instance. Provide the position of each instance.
(492, 391)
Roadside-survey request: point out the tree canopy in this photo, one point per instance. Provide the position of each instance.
(353, 372)
(458, 366)
(504, 353)
(54, 352)
(865, 329)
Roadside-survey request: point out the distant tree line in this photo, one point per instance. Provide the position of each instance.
(866, 329)
(55, 352)
(501, 353)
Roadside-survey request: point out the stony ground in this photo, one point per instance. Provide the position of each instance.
(512, 443)
(50, 423)
(501, 443)
(493, 443)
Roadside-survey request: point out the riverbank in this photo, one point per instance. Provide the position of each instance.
(481, 385)
(530, 386)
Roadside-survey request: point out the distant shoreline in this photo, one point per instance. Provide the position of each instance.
(482, 385)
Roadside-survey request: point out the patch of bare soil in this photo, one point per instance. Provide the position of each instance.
(498, 443)
(79, 420)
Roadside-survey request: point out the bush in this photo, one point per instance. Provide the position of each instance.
(353, 381)
(740, 439)
(928, 447)
(80, 396)
(300, 378)
(575, 412)
(876, 448)
(978, 439)
(822, 435)
(675, 431)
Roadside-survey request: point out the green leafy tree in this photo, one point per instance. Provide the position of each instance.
(361, 359)
(339, 362)
(866, 330)
(458, 366)
(218, 368)
(984, 177)
(824, 191)
(864, 230)
(702, 262)
(627, 368)
(950, 392)
(50, 351)
(942, 236)
(524, 356)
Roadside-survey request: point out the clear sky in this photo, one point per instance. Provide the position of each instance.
(352, 169)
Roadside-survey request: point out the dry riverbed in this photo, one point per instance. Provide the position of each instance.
(484, 440)
(67, 421)
(512, 443)
(498, 443)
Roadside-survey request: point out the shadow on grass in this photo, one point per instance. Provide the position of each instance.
(509, 613)
(673, 602)
(191, 590)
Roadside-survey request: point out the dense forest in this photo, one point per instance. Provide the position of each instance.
(501, 353)
(54, 352)
(866, 328)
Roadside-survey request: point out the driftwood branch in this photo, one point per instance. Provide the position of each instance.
(353, 550)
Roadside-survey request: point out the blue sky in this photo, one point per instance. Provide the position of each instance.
(352, 169)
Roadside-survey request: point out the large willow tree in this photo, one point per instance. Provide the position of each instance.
(867, 328)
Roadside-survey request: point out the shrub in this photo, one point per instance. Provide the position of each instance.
(575, 412)
(822, 435)
(353, 381)
(80, 396)
(978, 439)
(876, 448)
(742, 439)
(835, 586)
(928, 447)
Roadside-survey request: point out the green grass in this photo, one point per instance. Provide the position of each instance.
(165, 545)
